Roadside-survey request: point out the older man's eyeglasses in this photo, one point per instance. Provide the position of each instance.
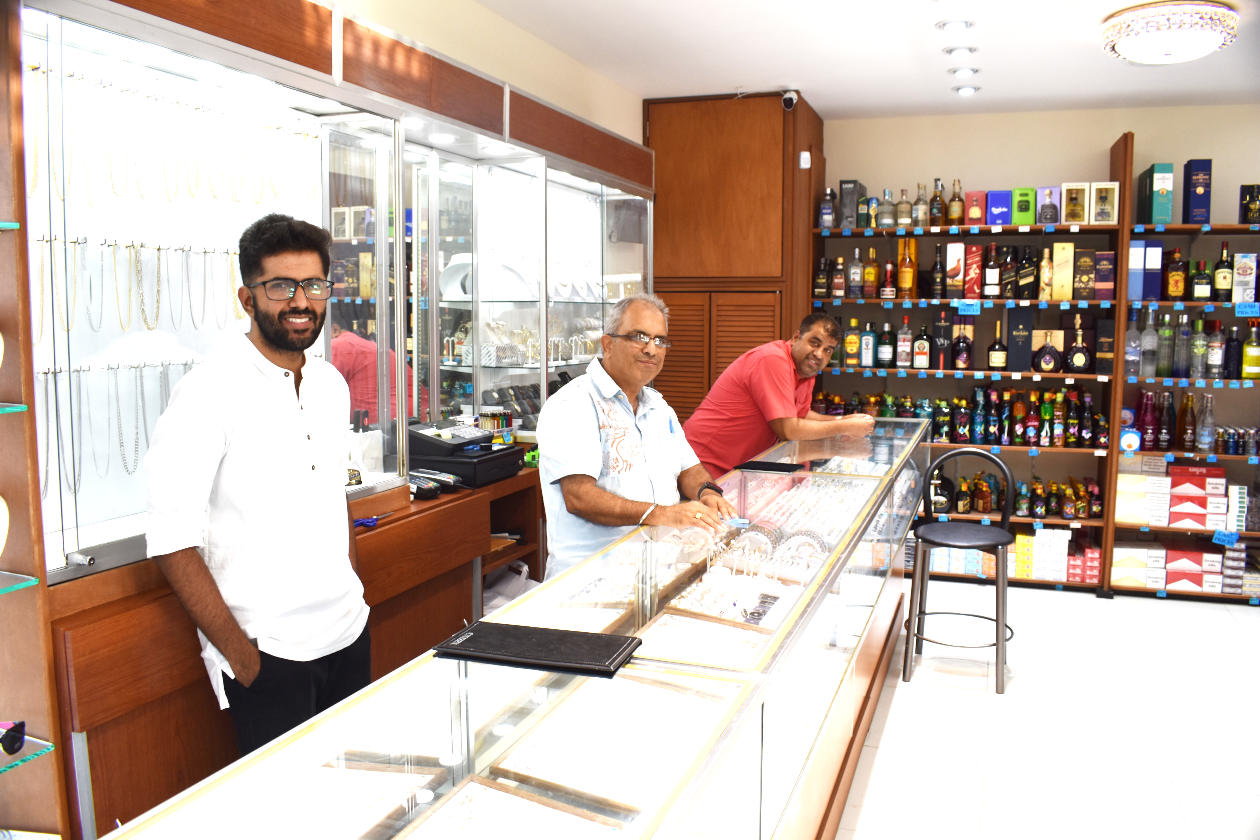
(284, 288)
(644, 339)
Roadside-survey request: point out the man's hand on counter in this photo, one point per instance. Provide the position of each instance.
(691, 514)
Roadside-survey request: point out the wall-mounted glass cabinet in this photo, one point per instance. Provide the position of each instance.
(469, 273)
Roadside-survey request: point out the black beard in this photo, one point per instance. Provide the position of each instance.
(278, 337)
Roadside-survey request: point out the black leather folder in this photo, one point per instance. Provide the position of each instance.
(567, 651)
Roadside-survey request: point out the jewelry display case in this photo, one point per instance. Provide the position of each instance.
(753, 641)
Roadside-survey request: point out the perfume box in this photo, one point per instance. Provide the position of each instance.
(1048, 207)
(972, 270)
(1104, 346)
(1019, 337)
(1075, 203)
(1064, 267)
(974, 204)
(1249, 204)
(1196, 192)
(955, 254)
(1023, 206)
(1104, 275)
(998, 207)
(1244, 278)
(1153, 269)
(1155, 194)
(1083, 274)
(847, 212)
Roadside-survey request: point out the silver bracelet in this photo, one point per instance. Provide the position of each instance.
(646, 512)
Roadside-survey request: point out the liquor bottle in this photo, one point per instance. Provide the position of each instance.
(1198, 351)
(1185, 440)
(1085, 433)
(1102, 431)
(1073, 212)
(1008, 270)
(903, 210)
(919, 212)
(942, 345)
(1223, 276)
(1167, 423)
(1048, 211)
(908, 269)
(1058, 415)
(960, 350)
(1233, 354)
(961, 421)
(870, 275)
(1037, 500)
(839, 276)
(981, 495)
(1175, 277)
(954, 212)
(962, 502)
(853, 345)
(1181, 346)
(866, 347)
(1023, 504)
(1132, 345)
(888, 286)
(905, 344)
(885, 347)
(887, 212)
(1078, 358)
(1148, 421)
(819, 403)
(1205, 439)
(921, 350)
(992, 284)
(997, 350)
(864, 218)
(1164, 351)
(1201, 283)
(1026, 275)
(1045, 275)
(993, 420)
(1047, 359)
(938, 270)
(827, 209)
(979, 416)
(1067, 502)
(1006, 426)
(936, 207)
(1216, 352)
(821, 284)
(1032, 420)
(1251, 354)
(1047, 421)
(854, 285)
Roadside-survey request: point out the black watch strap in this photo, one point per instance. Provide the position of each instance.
(709, 485)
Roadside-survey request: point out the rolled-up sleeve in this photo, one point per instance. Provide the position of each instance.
(180, 467)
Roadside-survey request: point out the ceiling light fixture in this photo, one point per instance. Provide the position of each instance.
(960, 53)
(1169, 32)
(954, 27)
(442, 138)
(961, 73)
(966, 90)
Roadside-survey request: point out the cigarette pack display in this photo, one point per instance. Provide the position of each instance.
(1155, 578)
(1155, 195)
(1196, 197)
(998, 207)
(1105, 275)
(1213, 583)
(1183, 581)
(1023, 206)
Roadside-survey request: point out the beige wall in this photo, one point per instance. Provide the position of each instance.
(474, 36)
(1038, 148)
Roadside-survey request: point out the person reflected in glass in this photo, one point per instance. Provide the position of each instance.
(355, 358)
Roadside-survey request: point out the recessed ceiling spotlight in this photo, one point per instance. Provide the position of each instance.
(442, 138)
(961, 73)
(954, 27)
(966, 90)
(960, 53)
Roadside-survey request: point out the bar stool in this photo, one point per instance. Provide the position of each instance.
(930, 533)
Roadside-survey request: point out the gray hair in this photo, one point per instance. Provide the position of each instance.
(612, 321)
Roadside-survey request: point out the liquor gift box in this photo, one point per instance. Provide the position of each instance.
(1064, 267)
(1155, 195)
(1023, 206)
(1047, 205)
(998, 208)
(1019, 337)
(1105, 346)
(1244, 278)
(973, 270)
(974, 207)
(955, 254)
(847, 213)
(1136, 286)
(1105, 275)
(1196, 196)
(1249, 204)
(1104, 199)
(1083, 274)
(1153, 270)
(1076, 203)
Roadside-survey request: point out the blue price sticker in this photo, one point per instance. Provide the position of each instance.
(1253, 459)
(825, 231)
(907, 304)
(1163, 593)
(1146, 528)
(860, 300)
(901, 374)
(923, 304)
(1041, 304)
(1234, 384)
(1037, 526)
(953, 230)
(1178, 306)
(940, 517)
(918, 231)
(988, 304)
(996, 450)
(1105, 304)
(940, 374)
(1010, 304)
(1211, 459)
(1033, 452)
(881, 372)
(1247, 383)
(995, 376)
(887, 304)
(1255, 602)
(1225, 538)
(818, 304)
(1058, 587)
(837, 301)
(835, 371)
(1128, 453)
(901, 231)
(1133, 381)
(1168, 382)
(958, 374)
(975, 229)
(1253, 227)
(866, 374)
(1049, 228)
(978, 375)
(1168, 457)
(1211, 307)
(984, 520)
(1218, 383)
(424, 303)
(846, 231)
(1139, 228)
(1159, 228)
(868, 232)
(923, 374)
(969, 307)
(1206, 228)
(1200, 383)
(1063, 304)
(1251, 309)
(1183, 383)
(1153, 305)
(358, 300)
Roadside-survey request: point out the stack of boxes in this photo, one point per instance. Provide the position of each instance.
(1149, 492)
(1197, 499)
(1047, 554)
(1214, 571)
(1235, 577)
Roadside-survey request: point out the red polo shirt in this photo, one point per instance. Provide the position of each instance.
(733, 423)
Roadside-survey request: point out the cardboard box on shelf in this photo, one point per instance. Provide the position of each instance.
(1213, 583)
(1212, 562)
(1156, 557)
(1183, 581)
(1187, 520)
(1128, 555)
(1183, 560)
(1155, 578)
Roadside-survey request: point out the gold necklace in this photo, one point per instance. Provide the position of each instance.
(139, 278)
(113, 249)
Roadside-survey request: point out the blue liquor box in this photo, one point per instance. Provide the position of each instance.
(999, 208)
(1196, 186)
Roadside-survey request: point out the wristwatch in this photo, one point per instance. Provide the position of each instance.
(709, 485)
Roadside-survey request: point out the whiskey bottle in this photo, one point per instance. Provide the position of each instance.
(885, 347)
(1047, 359)
(1201, 282)
(936, 207)
(961, 349)
(1150, 347)
(905, 344)
(1185, 439)
(1181, 346)
(1008, 271)
(821, 283)
(1198, 351)
(839, 278)
(1175, 277)
(1045, 275)
(888, 288)
(921, 350)
(1223, 276)
(1215, 352)
(1079, 359)
(997, 350)
(1026, 275)
(938, 270)
(907, 269)
(954, 213)
(992, 284)
(854, 289)
(870, 275)
(903, 210)
(887, 212)
(853, 344)
(919, 212)
(866, 347)
(864, 218)
(1164, 352)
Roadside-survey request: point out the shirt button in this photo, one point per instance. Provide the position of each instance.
(286, 373)
(312, 466)
(308, 437)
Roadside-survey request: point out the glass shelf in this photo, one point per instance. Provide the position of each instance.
(535, 366)
(11, 408)
(32, 748)
(12, 582)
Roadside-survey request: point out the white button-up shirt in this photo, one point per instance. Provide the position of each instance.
(252, 473)
(588, 428)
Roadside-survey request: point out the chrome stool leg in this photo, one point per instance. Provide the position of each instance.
(1001, 619)
(921, 615)
(916, 588)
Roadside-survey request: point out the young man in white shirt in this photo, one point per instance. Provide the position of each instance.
(248, 518)
(612, 454)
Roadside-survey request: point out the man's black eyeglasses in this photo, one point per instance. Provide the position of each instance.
(643, 338)
(284, 288)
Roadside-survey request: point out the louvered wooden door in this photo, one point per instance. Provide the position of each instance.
(738, 322)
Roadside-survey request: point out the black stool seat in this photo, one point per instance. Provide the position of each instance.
(954, 534)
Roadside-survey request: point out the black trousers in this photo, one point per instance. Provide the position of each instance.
(286, 693)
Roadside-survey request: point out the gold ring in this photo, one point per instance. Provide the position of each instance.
(699, 516)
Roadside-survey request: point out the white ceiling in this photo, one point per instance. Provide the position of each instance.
(863, 58)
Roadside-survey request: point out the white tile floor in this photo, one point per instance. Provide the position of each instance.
(1131, 717)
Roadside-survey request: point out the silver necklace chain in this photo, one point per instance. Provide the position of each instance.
(100, 319)
(48, 412)
(73, 391)
(89, 437)
(139, 276)
(131, 468)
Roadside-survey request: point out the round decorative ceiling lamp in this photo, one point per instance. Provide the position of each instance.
(1169, 32)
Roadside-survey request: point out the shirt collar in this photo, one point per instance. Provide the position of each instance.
(265, 366)
(608, 388)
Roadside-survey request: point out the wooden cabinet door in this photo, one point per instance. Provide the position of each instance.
(684, 380)
(719, 187)
(738, 322)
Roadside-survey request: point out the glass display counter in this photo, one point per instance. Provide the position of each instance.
(749, 642)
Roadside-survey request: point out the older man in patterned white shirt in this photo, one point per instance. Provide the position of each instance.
(612, 454)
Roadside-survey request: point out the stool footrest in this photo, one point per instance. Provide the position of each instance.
(912, 635)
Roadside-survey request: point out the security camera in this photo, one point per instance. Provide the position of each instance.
(789, 99)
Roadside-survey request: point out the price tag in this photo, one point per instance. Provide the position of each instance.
(1024, 228)
(1100, 453)
(978, 375)
(1159, 228)
(1132, 380)
(995, 376)
(1049, 228)
(1038, 525)
(923, 374)
(1211, 307)
(1255, 602)
(1058, 587)
(1069, 380)
(1104, 378)
(866, 374)
(835, 371)
(358, 300)
(1168, 382)
(837, 301)
(1074, 524)
(1200, 383)
(846, 231)
(868, 232)
(940, 517)
(988, 304)
(860, 300)
(901, 374)
(1017, 375)
(1128, 454)
(1168, 457)
(1250, 309)
(934, 229)
(1043, 304)
(958, 374)
(818, 304)
(1150, 381)
(901, 231)
(887, 304)
(1225, 538)
(1139, 228)
(1253, 227)
(1074, 228)
(995, 229)
(1105, 304)
(984, 520)
(953, 230)
(907, 304)
(1183, 383)
(968, 307)
(1178, 306)
(1153, 305)
(881, 372)
(1163, 593)
(1248, 384)
(1010, 304)
(975, 228)
(1036, 377)
(923, 304)
(1033, 452)
(1064, 304)
(1206, 228)
(1211, 459)
(825, 231)
(1234, 384)
(918, 231)
(1146, 528)
(1253, 459)
(1216, 383)
(940, 374)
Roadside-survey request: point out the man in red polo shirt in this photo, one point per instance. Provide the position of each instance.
(764, 396)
